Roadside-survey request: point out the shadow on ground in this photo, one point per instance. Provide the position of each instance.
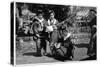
(90, 58)
(59, 58)
(31, 54)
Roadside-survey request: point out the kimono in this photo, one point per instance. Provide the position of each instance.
(52, 22)
(51, 26)
(38, 30)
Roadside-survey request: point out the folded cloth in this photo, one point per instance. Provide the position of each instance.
(49, 29)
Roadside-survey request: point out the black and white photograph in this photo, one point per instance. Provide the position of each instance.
(48, 33)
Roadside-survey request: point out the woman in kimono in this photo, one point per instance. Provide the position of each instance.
(51, 23)
(39, 34)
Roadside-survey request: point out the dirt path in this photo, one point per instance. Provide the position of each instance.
(27, 55)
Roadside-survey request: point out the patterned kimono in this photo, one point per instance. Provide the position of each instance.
(38, 29)
(52, 22)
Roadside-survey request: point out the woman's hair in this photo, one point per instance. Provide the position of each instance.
(51, 11)
(40, 12)
(91, 10)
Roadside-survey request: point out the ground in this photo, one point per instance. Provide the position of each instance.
(28, 54)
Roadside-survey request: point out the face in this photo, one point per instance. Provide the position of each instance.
(51, 16)
(40, 16)
(92, 13)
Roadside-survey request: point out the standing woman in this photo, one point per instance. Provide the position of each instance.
(52, 22)
(51, 29)
(38, 29)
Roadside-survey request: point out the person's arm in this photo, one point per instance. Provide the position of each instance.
(48, 23)
(56, 23)
(67, 36)
(36, 30)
